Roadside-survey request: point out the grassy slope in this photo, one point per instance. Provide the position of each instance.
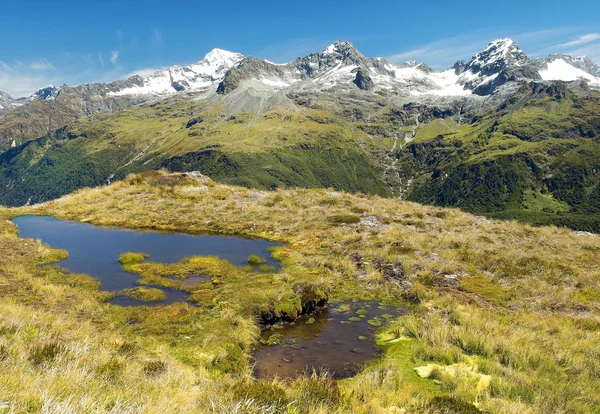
(535, 147)
(310, 148)
(520, 305)
(539, 145)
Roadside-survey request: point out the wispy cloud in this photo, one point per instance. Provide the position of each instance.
(22, 80)
(42, 65)
(114, 57)
(442, 53)
(581, 40)
(157, 38)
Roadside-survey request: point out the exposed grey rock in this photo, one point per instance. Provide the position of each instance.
(363, 80)
(583, 234)
(47, 93)
(370, 221)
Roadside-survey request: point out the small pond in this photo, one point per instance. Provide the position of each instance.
(95, 250)
(338, 339)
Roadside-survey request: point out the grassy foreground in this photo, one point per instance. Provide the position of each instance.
(505, 318)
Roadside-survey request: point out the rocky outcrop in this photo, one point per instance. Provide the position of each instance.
(363, 80)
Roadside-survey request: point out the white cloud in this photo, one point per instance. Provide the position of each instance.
(42, 65)
(18, 85)
(581, 40)
(114, 57)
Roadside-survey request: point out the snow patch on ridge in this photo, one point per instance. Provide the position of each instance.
(559, 70)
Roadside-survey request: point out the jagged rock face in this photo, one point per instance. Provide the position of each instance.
(49, 92)
(459, 67)
(497, 56)
(500, 62)
(251, 68)
(340, 53)
(363, 80)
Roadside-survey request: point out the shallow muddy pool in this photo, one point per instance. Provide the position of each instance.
(95, 250)
(338, 339)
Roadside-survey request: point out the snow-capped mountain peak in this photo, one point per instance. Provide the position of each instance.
(500, 66)
(219, 57)
(47, 93)
(340, 50)
(340, 47)
(207, 72)
(496, 56)
(501, 61)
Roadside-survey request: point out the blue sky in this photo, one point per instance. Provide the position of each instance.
(74, 42)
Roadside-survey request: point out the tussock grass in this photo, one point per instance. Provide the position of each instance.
(498, 299)
(132, 258)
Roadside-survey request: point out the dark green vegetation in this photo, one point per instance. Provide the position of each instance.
(534, 158)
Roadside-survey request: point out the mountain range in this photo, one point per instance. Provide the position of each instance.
(502, 134)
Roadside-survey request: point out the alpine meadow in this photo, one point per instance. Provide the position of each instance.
(331, 234)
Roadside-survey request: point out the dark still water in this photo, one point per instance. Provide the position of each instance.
(338, 339)
(95, 250)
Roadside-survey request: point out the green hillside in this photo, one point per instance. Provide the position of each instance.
(535, 158)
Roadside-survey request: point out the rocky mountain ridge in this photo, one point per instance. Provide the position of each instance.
(341, 61)
(339, 69)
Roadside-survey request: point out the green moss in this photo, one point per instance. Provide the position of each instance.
(272, 340)
(485, 288)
